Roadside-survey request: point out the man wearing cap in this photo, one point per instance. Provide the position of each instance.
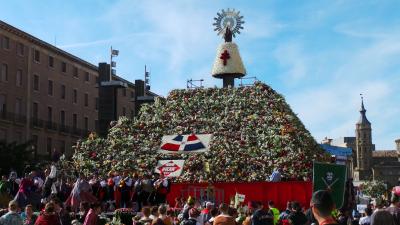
(12, 217)
(394, 207)
(206, 212)
(322, 206)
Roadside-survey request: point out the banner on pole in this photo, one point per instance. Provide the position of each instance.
(170, 168)
(193, 143)
(330, 177)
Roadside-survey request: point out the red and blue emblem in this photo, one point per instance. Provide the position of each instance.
(184, 143)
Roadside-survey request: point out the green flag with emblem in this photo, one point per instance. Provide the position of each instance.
(330, 177)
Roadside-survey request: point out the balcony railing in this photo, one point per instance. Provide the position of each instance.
(39, 123)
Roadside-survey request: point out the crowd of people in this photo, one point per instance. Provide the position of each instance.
(44, 198)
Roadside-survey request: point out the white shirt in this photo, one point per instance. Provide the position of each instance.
(365, 220)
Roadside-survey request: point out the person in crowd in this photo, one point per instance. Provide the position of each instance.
(297, 217)
(11, 217)
(80, 192)
(147, 189)
(274, 211)
(276, 175)
(63, 214)
(27, 216)
(322, 206)
(382, 217)
(145, 219)
(110, 188)
(92, 216)
(95, 184)
(23, 197)
(84, 208)
(14, 183)
(5, 191)
(117, 194)
(137, 192)
(154, 212)
(206, 212)
(247, 220)
(285, 214)
(48, 186)
(366, 220)
(187, 207)
(162, 187)
(162, 216)
(193, 218)
(48, 216)
(394, 208)
(125, 188)
(224, 218)
(261, 216)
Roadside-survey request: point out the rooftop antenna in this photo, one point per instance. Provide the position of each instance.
(146, 80)
(113, 64)
(55, 40)
(193, 84)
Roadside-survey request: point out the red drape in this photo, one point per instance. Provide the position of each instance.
(279, 192)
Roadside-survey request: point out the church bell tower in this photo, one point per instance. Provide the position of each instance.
(364, 146)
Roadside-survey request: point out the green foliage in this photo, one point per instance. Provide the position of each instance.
(254, 131)
(14, 156)
(374, 189)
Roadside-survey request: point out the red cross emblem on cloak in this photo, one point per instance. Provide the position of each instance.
(225, 56)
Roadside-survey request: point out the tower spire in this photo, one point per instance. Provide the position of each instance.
(363, 118)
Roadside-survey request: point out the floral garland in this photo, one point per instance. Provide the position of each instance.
(254, 131)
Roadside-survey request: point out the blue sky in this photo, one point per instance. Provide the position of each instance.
(319, 54)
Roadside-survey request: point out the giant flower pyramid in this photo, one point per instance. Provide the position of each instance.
(254, 131)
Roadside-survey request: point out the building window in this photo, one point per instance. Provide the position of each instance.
(62, 91)
(96, 102)
(36, 55)
(49, 145)
(96, 125)
(123, 111)
(3, 135)
(76, 72)
(49, 114)
(36, 82)
(87, 77)
(18, 78)
(51, 61)
(86, 123)
(75, 96)
(86, 99)
(3, 105)
(62, 118)
(132, 114)
(124, 92)
(74, 121)
(4, 73)
(50, 88)
(35, 110)
(132, 94)
(6, 42)
(20, 49)
(18, 104)
(97, 80)
(63, 67)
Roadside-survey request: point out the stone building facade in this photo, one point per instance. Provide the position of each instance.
(368, 163)
(49, 96)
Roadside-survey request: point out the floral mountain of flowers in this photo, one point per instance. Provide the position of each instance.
(254, 131)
